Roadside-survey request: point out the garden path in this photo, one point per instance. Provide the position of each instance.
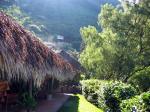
(54, 104)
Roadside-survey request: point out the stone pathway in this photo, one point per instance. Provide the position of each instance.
(54, 104)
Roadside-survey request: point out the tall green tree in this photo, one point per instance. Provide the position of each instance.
(122, 46)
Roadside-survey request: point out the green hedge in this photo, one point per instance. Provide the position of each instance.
(114, 96)
(107, 95)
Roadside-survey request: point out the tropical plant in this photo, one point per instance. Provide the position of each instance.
(28, 102)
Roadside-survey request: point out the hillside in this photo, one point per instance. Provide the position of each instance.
(63, 17)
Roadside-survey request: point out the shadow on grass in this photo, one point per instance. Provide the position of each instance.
(71, 105)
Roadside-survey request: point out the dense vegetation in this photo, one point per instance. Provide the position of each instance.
(141, 79)
(120, 55)
(122, 47)
(113, 96)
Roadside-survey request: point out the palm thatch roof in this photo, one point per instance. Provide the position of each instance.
(75, 63)
(22, 55)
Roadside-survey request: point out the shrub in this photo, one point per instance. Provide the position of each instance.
(115, 92)
(146, 101)
(139, 103)
(107, 95)
(28, 101)
(130, 104)
(141, 79)
(90, 89)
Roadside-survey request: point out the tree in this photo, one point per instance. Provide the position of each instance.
(123, 44)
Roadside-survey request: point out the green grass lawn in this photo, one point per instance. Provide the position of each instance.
(77, 103)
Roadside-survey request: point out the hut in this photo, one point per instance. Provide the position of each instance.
(72, 85)
(24, 56)
(70, 59)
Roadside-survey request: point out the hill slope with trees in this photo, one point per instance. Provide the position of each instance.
(65, 17)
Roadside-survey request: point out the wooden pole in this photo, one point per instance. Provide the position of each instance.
(52, 84)
(30, 87)
(30, 90)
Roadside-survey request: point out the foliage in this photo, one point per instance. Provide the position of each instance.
(115, 92)
(107, 94)
(28, 102)
(90, 89)
(146, 100)
(24, 19)
(121, 46)
(95, 56)
(140, 103)
(16, 13)
(141, 79)
(77, 103)
(128, 105)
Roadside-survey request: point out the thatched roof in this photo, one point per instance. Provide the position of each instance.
(23, 55)
(75, 63)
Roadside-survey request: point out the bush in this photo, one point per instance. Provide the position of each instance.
(115, 92)
(130, 104)
(107, 95)
(146, 101)
(139, 103)
(90, 89)
(141, 79)
(28, 102)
